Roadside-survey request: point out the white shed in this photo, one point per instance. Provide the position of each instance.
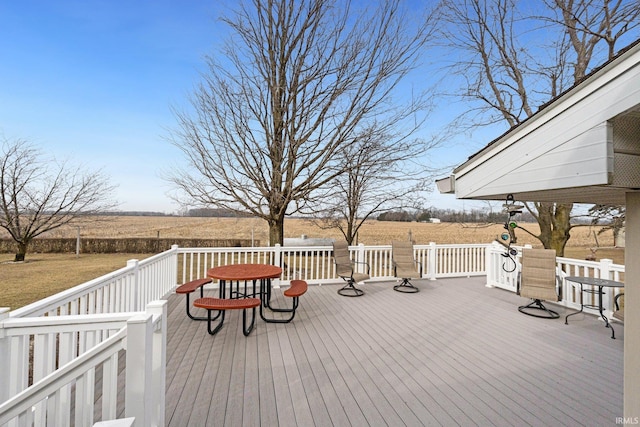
(583, 147)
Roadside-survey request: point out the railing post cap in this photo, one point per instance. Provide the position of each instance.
(140, 318)
(157, 303)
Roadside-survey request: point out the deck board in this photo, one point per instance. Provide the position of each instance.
(454, 353)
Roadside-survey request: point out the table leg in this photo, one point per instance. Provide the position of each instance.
(581, 306)
(601, 309)
(221, 290)
(265, 295)
(267, 284)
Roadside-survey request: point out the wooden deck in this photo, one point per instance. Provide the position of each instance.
(456, 353)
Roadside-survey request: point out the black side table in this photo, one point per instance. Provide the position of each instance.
(600, 284)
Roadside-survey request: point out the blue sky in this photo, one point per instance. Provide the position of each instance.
(94, 82)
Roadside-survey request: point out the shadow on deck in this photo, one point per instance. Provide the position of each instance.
(454, 353)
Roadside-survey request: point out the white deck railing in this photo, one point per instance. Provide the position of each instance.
(62, 370)
(500, 274)
(315, 263)
(62, 342)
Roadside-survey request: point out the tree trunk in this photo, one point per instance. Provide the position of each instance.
(555, 226)
(276, 231)
(350, 234)
(22, 252)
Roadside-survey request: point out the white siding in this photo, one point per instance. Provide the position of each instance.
(567, 145)
(584, 160)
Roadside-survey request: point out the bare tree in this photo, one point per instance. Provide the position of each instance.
(613, 218)
(507, 73)
(380, 176)
(590, 22)
(297, 83)
(40, 195)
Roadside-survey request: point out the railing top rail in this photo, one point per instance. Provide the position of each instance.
(76, 322)
(156, 257)
(319, 248)
(51, 302)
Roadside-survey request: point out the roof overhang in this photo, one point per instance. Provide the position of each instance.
(584, 147)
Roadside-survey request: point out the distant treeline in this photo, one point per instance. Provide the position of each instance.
(216, 213)
(136, 213)
(199, 212)
(444, 215)
(450, 215)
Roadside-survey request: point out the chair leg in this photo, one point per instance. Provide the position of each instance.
(537, 305)
(406, 286)
(349, 290)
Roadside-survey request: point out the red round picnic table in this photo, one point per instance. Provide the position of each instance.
(262, 273)
(235, 272)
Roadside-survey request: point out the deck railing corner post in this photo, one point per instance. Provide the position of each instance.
(135, 292)
(605, 268)
(172, 262)
(4, 356)
(278, 262)
(159, 361)
(361, 256)
(277, 255)
(139, 385)
(432, 261)
(488, 265)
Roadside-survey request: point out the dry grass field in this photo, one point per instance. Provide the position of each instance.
(372, 233)
(46, 274)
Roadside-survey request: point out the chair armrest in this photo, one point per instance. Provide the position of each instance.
(362, 262)
(615, 300)
(394, 265)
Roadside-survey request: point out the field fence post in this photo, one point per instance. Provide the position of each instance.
(78, 243)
